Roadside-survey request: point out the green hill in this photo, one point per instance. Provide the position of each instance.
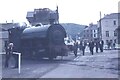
(73, 29)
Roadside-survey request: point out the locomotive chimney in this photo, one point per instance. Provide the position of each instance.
(57, 14)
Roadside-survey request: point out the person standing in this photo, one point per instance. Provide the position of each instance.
(75, 48)
(91, 46)
(114, 45)
(83, 46)
(9, 54)
(97, 45)
(108, 44)
(101, 43)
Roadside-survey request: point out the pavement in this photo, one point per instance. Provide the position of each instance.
(99, 65)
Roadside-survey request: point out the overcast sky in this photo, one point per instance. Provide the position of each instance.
(70, 11)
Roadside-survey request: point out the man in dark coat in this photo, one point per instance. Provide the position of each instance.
(101, 43)
(83, 46)
(91, 46)
(75, 48)
(9, 53)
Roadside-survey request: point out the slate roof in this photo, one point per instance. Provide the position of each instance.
(112, 16)
(6, 26)
(92, 27)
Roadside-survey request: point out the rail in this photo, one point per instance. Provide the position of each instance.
(19, 60)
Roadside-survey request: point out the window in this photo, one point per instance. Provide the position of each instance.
(87, 30)
(114, 22)
(84, 35)
(94, 35)
(91, 35)
(115, 33)
(111, 41)
(88, 35)
(107, 33)
(98, 29)
(115, 41)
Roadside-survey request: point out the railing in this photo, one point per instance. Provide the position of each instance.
(19, 60)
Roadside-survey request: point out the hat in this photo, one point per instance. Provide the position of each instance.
(10, 44)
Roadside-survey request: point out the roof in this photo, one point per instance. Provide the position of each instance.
(6, 26)
(112, 16)
(93, 27)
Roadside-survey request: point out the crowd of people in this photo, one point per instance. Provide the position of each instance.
(110, 45)
(98, 44)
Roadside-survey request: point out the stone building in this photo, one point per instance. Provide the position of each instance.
(109, 24)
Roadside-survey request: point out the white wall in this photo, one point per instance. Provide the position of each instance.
(108, 25)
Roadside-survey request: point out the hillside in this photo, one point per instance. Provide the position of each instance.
(73, 29)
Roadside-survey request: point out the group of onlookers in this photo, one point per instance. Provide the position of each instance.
(110, 45)
(98, 44)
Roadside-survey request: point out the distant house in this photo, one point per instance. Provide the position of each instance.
(109, 24)
(90, 32)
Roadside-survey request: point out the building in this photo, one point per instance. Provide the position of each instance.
(4, 32)
(42, 15)
(90, 32)
(109, 24)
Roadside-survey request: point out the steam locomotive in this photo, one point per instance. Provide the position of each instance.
(39, 42)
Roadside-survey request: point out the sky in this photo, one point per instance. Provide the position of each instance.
(70, 11)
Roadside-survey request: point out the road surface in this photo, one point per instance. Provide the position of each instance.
(99, 65)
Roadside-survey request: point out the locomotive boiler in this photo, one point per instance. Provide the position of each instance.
(46, 41)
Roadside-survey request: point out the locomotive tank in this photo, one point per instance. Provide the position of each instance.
(35, 32)
(46, 41)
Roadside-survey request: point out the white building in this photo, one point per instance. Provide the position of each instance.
(91, 32)
(109, 25)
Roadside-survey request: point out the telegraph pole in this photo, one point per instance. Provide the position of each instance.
(100, 27)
